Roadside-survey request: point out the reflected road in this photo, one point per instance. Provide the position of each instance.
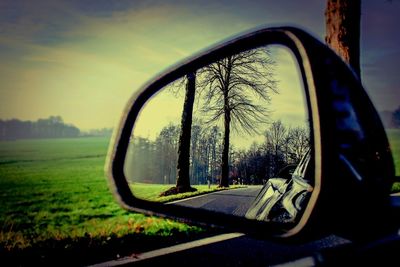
(231, 201)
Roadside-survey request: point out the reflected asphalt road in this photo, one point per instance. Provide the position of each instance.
(231, 201)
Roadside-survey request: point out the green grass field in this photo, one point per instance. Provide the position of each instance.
(55, 204)
(54, 195)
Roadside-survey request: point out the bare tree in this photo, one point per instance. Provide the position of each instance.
(168, 140)
(233, 88)
(183, 165)
(213, 136)
(276, 136)
(343, 30)
(299, 142)
(196, 135)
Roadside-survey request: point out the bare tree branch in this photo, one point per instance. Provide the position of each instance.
(236, 90)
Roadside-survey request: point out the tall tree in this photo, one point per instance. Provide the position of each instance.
(213, 137)
(299, 142)
(233, 89)
(194, 147)
(343, 30)
(168, 140)
(183, 178)
(276, 138)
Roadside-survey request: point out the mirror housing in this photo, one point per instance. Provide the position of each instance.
(352, 160)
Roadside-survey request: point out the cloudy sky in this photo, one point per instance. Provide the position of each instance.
(83, 59)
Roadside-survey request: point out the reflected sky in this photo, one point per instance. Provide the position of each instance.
(288, 105)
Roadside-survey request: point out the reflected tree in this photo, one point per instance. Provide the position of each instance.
(167, 146)
(298, 143)
(276, 136)
(162, 153)
(183, 178)
(232, 89)
(284, 146)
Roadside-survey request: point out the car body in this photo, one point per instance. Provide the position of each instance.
(283, 200)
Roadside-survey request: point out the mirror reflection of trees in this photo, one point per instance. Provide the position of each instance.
(183, 165)
(196, 145)
(205, 150)
(251, 166)
(231, 87)
(283, 146)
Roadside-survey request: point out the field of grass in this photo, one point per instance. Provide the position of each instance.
(55, 204)
(54, 197)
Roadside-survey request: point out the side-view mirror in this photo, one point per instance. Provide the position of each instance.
(269, 132)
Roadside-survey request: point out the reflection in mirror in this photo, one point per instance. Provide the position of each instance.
(232, 137)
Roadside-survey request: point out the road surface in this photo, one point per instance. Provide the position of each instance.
(232, 201)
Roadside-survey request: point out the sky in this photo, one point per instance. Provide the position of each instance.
(83, 60)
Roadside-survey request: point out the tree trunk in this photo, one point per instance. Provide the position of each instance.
(224, 182)
(343, 30)
(183, 179)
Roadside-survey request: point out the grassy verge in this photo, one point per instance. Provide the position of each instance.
(152, 191)
(55, 203)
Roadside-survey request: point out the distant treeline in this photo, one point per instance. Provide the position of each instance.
(52, 127)
(391, 119)
(155, 161)
(97, 132)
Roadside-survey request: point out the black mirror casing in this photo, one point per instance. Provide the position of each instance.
(352, 159)
(358, 168)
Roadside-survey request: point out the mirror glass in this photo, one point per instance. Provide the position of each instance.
(232, 137)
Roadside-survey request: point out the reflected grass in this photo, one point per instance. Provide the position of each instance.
(151, 192)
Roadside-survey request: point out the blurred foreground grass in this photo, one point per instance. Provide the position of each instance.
(54, 195)
(55, 203)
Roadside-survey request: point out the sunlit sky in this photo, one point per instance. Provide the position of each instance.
(82, 60)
